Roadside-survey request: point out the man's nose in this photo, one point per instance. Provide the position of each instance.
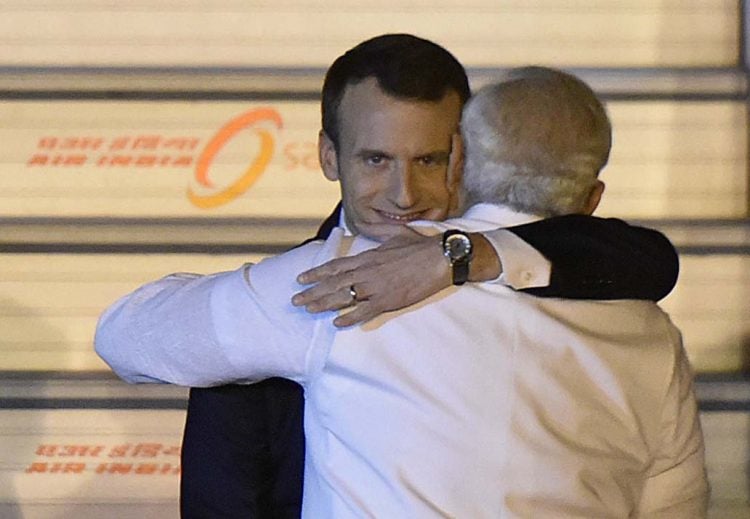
(403, 192)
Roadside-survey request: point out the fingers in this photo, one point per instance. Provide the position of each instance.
(331, 294)
(337, 267)
(364, 311)
(387, 252)
(327, 295)
(379, 276)
(336, 301)
(317, 300)
(328, 269)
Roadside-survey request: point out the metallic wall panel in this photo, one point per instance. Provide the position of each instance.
(309, 33)
(117, 159)
(141, 159)
(93, 463)
(50, 303)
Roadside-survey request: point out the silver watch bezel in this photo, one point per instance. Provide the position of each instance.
(448, 249)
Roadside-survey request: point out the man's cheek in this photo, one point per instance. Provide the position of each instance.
(370, 193)
(440, 199)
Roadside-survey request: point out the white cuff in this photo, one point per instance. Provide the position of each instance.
(523, 265)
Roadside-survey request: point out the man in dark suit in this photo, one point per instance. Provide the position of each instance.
(243, 446)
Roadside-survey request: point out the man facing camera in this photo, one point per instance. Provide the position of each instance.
(481, 401)
(243, 447)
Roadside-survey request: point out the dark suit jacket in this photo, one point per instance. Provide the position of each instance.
(243, 448)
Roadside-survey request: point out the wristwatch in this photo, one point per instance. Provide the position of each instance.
(457, 247)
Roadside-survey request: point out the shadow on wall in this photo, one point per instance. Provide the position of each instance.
(25, 336)
(745, 355)
(745, 374)
(50, 458)
(29, 341)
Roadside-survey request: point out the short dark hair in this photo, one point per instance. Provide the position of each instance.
(405, 66)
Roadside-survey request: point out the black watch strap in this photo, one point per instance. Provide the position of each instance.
(457, 247)
(460, 271)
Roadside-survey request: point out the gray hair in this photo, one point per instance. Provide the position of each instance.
(535, 142)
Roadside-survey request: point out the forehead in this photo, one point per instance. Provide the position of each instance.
(370, 117)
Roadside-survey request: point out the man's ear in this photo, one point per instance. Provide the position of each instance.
(595, 197)
(327, 156)
(455, 174)
(455, 164)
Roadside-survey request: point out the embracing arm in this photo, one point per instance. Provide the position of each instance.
(591, 258)
(602, 258)
(143, 336)
(208, 330)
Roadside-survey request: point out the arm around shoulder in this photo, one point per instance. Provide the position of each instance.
(602, 258)
(199, 331)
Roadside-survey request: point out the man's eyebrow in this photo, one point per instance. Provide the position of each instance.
(367, 152)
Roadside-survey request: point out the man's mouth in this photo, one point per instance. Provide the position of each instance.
(401, 218)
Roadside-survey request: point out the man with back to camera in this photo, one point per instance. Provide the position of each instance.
(545, 408)
(243, 445)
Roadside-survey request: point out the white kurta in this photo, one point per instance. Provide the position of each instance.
(479, 402)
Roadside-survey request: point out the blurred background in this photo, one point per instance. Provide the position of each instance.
(145, 137)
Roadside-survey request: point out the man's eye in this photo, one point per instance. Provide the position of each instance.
(375, 160)
(433, 161)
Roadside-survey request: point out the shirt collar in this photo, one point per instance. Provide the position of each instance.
(500, 215)
(491, 214)
(342, 221)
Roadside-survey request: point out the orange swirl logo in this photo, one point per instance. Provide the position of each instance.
(253, 172)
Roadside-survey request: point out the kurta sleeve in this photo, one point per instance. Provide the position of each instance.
(677, 485)
(203, 331)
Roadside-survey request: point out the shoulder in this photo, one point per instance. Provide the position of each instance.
(636, 334)
(278, 274)
(300, 258)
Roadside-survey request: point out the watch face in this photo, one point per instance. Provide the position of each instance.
(457, 246)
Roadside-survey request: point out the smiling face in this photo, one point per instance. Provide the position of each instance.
(392, 160)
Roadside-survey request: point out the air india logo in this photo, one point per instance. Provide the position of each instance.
(204, 171)
(248, 120)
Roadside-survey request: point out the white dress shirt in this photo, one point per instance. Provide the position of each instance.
(478, 402)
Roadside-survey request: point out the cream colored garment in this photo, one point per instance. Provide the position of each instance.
(480, 402)
(484, 403)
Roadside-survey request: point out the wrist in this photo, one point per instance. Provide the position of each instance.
(441, 267)
(485, 264)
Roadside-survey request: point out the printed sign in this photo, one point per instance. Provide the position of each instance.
(134, 159)
(68, 457)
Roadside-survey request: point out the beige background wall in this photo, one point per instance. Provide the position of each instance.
(102, 143)
(107, 107)
(311, 33)
(138, 159)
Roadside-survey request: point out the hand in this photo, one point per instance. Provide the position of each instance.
(402, 271)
